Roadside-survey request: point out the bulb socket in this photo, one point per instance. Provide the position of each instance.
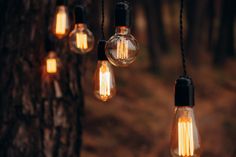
(184, 92)
(49, 45)
(101, 50)
(79, 14)
(61, 2)
(122, 14)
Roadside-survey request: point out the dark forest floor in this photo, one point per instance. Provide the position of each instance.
(137, 122)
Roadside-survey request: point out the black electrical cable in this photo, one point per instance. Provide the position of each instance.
(102, 23)
(182, 37)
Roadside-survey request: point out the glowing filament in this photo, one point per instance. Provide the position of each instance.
(122, 49)
(61, 22)
(104, 82)
(185, 137)
(51, 65)
(81, 41)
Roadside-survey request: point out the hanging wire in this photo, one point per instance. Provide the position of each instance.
(102, 24)
(182, 37)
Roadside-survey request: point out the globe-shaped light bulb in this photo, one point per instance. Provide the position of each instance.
(81, 39)
(122, 48)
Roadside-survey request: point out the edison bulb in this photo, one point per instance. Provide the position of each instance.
(81, 39)
(60, 24)
(51, 63)
(185, 140)
(122, 48)
(104, 81)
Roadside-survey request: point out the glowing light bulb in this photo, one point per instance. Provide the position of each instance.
(104, 81)
(51, 63)
(122, 48)
(60, 24)
(81, 39)
(185, 140)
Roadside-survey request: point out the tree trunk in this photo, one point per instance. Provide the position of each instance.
(225, 42)
(211, 16)
(152, 42)
(196, 11)
(39, 115)
(161, 36)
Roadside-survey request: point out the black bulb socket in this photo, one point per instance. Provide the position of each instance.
(101, 50)
(61, 2)
(122, 14)
(49, 44)
(184, 92)
(79, 14)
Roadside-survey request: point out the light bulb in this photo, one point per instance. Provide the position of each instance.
(51, 63)
(185, 139)
(81, 39)
(60, 23)
(104, 80)
(122, 48)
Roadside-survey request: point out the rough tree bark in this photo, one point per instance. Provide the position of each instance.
(39, 115)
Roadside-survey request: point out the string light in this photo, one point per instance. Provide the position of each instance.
(104, 80)
(122, 48)
(60, 22)
(52, 63)
(81, 39)
(185, 140)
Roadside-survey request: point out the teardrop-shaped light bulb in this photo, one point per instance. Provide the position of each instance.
(185, 140)
(104, 80)
(122, 48)
(60, 22)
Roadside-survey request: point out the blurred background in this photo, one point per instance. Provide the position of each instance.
(137, 121)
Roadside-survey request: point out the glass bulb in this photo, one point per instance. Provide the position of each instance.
(60, 24)
(81, 39)
(104, 81)
(185, 140)
(51, 63)
(122, 48)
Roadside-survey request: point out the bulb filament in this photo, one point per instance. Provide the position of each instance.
(51, 65)
(61, 23)
(104, 82)
(185, 137)
(122, 49)
(81, 41)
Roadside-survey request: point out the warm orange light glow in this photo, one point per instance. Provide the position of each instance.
(122, 49)
(104, 82)
(185, 137)
(61, 23)
(51, 65)
(81, 41)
